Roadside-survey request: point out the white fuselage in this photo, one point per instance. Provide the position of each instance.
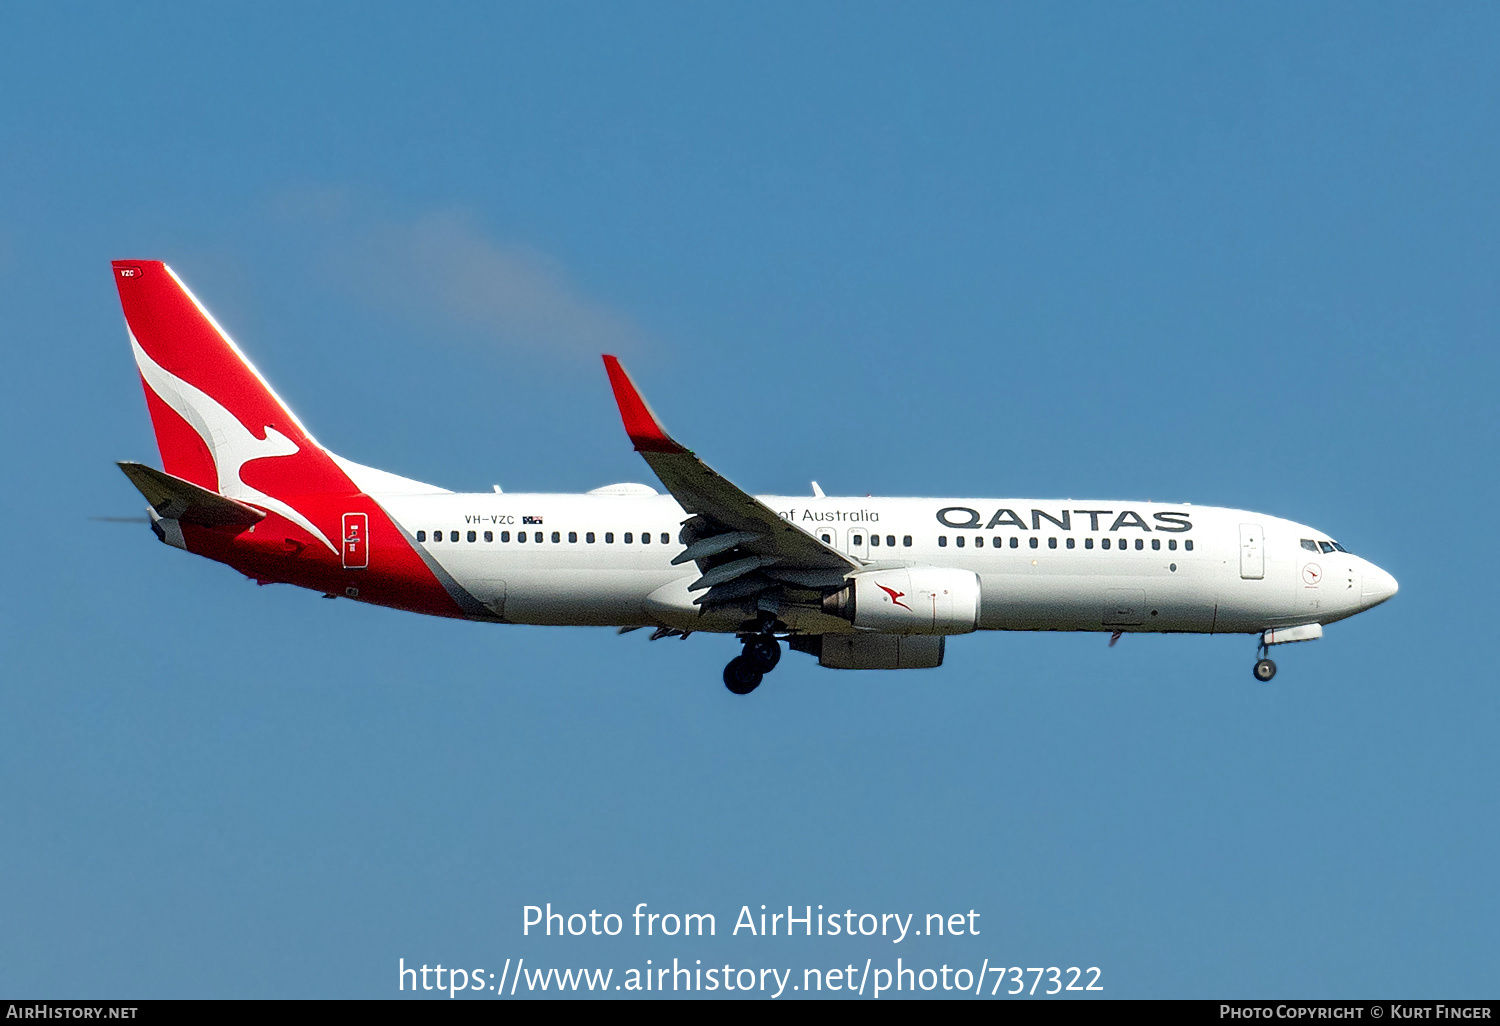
(1042, 565)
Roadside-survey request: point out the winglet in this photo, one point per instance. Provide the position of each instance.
(640, 423)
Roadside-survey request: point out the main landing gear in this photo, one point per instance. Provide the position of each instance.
(745, 671)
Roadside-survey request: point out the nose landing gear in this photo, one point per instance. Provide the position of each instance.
(1264, 668)
(745, 671)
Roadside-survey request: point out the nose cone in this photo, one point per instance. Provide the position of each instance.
(1378, 586)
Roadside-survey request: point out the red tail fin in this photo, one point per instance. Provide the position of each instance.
(218, 423)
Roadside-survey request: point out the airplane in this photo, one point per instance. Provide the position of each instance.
(859, 583)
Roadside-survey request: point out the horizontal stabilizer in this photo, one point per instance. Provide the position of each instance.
(176, 499)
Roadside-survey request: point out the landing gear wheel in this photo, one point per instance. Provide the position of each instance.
(763, 653)
(1264, 670)
(741, 677)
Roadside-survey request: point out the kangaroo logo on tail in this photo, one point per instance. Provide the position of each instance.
(229, 442)
(216, 418)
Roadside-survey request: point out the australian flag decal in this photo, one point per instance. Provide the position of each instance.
(531, 520)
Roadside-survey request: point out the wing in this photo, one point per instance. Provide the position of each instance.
(743, 549)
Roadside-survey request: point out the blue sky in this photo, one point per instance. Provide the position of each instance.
(1233, 255)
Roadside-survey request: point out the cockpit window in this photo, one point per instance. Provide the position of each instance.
(1326, 546)
(1339, 547)
(1309, 545)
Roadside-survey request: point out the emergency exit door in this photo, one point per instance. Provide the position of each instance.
(859, 543)
(1252, 552)
(356, 541)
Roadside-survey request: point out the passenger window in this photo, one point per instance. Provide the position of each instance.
(589, 537)
(875, 540)
(505, 536)
(1172, 544)
(556, 537)
(609, 537)
(1015, 542)
(1070, 543)
(978, 542)
(1156, 543)
(906, 540)
(572, 537)
(1104, 543)
(1051, 543)
(942, 541)
(1188, 544)
(1327, 547)
(1140, 543)
(645, 537)
(1309, 545)
(520, 536)
(629, 537)
(453, 536)
(1088, 543)
(666, 539)
(826, 538)
(959, 541)
(421, 536)
(489, 536)
(1034, 543)
(890, 540)
(536, 536)
(857, 539)
(473, 536)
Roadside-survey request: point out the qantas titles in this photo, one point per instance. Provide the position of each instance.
(963, 517)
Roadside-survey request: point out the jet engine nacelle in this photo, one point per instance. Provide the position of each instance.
(913, 600)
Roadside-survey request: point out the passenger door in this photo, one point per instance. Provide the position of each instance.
(1252, 552)
(356, 541)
